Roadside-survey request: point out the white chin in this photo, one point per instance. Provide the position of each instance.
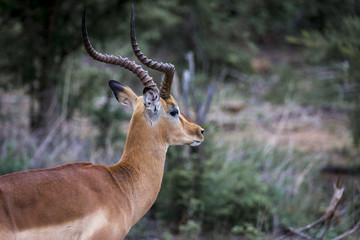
(196, 143)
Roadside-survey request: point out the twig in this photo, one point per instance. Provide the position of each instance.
(319, 229)
(191, 61)
(325, 219)
(348, 233)
(205, 106)
(335, 200)
(299, 233)
(311, 225)
(186, 89)
(281, 238)
(35, 162)
(325, 230)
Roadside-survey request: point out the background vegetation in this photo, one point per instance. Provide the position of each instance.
(275, 83)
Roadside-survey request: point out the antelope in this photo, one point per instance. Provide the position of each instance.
(92, 201)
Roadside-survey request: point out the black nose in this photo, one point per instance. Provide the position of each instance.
(202, 131)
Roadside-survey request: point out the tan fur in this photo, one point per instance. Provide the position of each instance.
(91, 201)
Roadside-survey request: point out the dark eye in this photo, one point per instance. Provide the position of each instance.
(174, 112)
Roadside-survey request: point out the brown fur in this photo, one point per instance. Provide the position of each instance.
(61, 202)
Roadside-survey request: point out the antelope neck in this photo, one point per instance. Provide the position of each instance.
(141, 167)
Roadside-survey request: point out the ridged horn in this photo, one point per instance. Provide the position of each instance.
(167, 68)
(117, 60)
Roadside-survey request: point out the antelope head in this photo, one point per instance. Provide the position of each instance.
(156, 111)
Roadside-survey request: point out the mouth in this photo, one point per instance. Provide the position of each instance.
(196, 143)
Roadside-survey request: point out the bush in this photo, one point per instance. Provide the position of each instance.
(233, 194)
(190, 230)
(215, 193)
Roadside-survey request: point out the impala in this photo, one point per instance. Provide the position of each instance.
(93, 201)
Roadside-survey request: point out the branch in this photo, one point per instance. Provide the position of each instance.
(325, 230)
(185, 90)
(350, 232)
(191, 61)
(36, 160)
(338, 192)
(188, 77)
(299, 233)
(205, 108)
(311, 225)
(325, 219)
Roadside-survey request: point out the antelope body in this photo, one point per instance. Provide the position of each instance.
(93, 201)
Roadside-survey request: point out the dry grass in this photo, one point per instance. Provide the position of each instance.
(302, 128)
(68, 141)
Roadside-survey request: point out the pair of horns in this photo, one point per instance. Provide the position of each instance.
(167, 68)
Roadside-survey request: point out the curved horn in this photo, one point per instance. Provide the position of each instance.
(117, 60)
(166, 68)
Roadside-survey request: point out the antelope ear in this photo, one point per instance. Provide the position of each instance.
(123, 93)
(151, 100)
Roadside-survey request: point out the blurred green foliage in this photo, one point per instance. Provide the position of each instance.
(317, 86)
(231, 193)
(339, 41)
(107, 119)
(11, 159)
(190, 230)
(39, 37)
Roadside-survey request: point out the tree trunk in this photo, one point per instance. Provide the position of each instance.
(47, 110)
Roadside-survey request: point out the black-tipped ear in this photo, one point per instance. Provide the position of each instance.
(116, 88)
(123, 93)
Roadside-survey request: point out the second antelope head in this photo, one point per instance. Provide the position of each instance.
(156, 111)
